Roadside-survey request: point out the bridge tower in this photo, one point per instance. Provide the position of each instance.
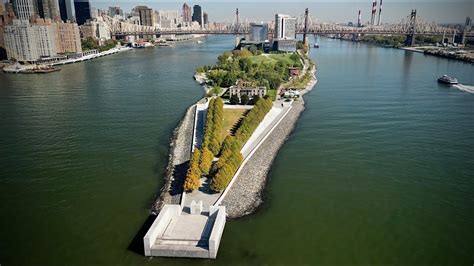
(237, 28)
(410, 40)
(305, 32)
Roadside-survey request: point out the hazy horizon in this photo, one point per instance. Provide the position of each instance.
(334, 11)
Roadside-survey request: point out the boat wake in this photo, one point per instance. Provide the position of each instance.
(465, 88)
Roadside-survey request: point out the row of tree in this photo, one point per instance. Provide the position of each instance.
(230, 156)
(213, 127)
(201, 160)
(228, 163)
(253, 119)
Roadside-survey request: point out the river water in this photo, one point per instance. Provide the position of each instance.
(379, 169)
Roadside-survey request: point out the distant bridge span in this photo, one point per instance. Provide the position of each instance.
(322, 32)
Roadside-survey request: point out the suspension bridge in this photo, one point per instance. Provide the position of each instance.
(306, 24)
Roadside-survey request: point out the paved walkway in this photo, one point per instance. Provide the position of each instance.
(200, 123)
(278, 110)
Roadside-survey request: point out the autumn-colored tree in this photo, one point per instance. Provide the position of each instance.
(193, 175)
(206, 161)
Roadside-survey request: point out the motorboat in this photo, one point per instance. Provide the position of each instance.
(445, 79)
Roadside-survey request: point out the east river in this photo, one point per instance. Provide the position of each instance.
(380, 169)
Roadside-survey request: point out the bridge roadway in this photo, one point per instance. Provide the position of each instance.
(328, 32)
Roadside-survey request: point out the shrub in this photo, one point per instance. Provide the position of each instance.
(234, 99)
(244, 100)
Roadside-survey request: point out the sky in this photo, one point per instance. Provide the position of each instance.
(332, 11)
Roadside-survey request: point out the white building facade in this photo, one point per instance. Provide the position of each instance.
(20, 41)
(285, 27)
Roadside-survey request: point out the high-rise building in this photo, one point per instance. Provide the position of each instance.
(25, 9)
(2, 29)
(83, 11)
(51, 9)
(205, 19)
(258, 32)
(20, 42)
(115, 11)
(167, 18)
(67, 38)
(26, 42)
(197, 14)
(285, 27)
(187, 13)
(39, 8)
(65, 10)
(45, 34)
(146, 15)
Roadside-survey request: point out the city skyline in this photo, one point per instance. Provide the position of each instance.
(337, 11)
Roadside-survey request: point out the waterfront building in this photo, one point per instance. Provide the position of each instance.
(285, 27)
(258, 32)
(83, 11)
(187, 13)
(67, 38)
(115, 11)
(198, 14)
(146, 15)
(50, 9)
(20, 42)
(45, 35)
(25, 9)
(65, 10)
(2, 29)
(285, 33)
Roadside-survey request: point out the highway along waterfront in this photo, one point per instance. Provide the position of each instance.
(379, 169)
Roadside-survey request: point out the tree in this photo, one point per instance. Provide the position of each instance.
(193, 174)
(244, 99)
(255, 99)
(206, 160)
(193, 178)
(234, 99)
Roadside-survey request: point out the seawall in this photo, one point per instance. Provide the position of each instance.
(179, 155)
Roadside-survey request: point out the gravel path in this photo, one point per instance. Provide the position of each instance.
(245, 195)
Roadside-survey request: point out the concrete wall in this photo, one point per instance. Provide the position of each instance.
(217, 229)
(159, 225)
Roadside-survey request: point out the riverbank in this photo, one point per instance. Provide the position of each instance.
(455, 53)
(245, 195)
(179, 155)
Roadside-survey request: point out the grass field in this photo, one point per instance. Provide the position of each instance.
(231, 116)
(271, 58)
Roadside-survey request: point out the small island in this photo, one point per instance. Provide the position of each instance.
(223, 148)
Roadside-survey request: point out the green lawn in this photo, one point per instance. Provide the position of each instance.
(271, 58)
(272, 94)
(231, 117)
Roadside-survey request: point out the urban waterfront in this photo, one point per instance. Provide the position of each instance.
(379, 169)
